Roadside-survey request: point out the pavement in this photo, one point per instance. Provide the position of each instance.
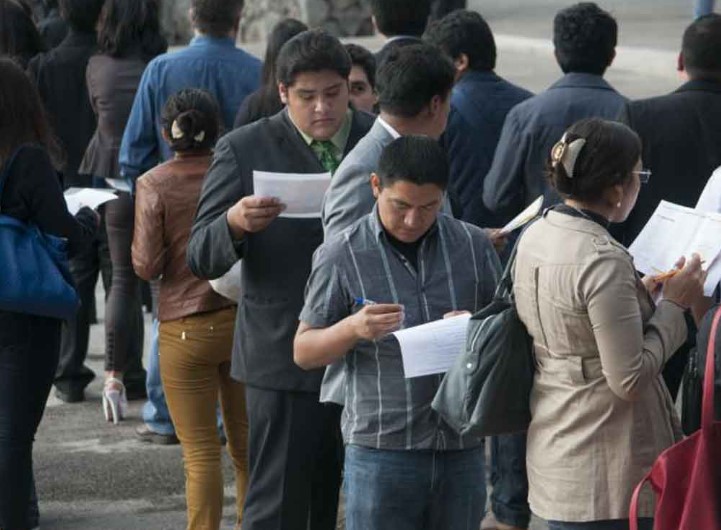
(92, 475)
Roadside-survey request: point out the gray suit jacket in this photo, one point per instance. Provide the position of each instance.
(350, 196)
(276, 261)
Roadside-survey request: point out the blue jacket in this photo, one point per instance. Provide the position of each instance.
(479, 104)
(211, 63)
(517, 175)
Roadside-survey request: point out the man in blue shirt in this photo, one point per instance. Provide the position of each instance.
(480, 102)
(211, 62)
(584, 37)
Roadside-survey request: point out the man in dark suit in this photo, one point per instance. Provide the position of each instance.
(681, 136)
(584, 37)
(480, 102)
(294, 440)
(681, 131)
(401, 22)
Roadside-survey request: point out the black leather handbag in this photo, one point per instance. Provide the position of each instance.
(487, 391)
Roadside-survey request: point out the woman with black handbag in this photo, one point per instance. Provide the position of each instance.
(30, 192)
(600, 411)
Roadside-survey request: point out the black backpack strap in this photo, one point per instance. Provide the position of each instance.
(505, 284)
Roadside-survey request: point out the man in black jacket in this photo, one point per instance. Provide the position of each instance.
(681, 131)
(681, 137)
(294, 440)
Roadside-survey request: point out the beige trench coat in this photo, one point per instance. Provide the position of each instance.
(601, 413)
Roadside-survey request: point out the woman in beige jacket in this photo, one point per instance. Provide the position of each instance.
(601, 413)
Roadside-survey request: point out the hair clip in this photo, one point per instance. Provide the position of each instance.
(567, 153)
(199, 137)
(175, 131)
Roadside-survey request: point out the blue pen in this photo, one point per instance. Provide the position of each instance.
(359, 300)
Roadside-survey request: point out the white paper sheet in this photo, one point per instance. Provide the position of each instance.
(119, 184)
(524, 217)
(710, 199)
(432, 348)
(77, 198)
(301, 193)
(674, 231)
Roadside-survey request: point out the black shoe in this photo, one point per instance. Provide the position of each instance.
(72, 395)
(146, 434)
(135, 392)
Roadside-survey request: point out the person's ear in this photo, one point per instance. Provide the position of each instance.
(376, 185)
(164, 134)
(434, 106)
(462, 64)
(283, 93)
(614, 196)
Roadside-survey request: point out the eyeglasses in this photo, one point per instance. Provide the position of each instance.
(644, 175)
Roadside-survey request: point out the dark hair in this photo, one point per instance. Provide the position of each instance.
(129, 27)
(81, 15)
(195, 113)
(401, 17)
(585, 38)
(466, 32)
(22, 116)
(266, 100)
(609, 155)
(409, 78)
(314, 50)
(216, 17)
(360, 56)
(19, 38)
(701, 48)
(416, 159)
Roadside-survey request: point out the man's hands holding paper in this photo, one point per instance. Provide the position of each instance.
(253, 214)
(376, 321)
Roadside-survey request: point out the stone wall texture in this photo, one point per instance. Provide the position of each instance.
(344, 18)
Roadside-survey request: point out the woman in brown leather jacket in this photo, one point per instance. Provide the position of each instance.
(196, 324)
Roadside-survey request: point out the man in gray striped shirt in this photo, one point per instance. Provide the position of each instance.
(405, 468)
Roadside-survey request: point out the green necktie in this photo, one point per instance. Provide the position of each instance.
(325, 150)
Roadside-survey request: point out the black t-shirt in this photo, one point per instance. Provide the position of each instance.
(408, 250)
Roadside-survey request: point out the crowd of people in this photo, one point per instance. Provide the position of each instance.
(299, 376)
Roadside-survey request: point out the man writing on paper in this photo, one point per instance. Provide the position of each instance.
(294, 443)
(404, 467)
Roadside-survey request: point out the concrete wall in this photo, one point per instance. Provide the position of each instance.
(340, 17)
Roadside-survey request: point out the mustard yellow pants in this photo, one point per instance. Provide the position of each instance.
(195, 355)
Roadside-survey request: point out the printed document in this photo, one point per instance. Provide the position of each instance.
(710, 199)
(302, 193)
(674, 231)
(432, 348)
(525, 217)
(77, 198)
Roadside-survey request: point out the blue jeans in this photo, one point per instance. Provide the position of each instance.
(611, 524)
(414, 490)
(509, 497)
(155, 411)
(702, 8)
